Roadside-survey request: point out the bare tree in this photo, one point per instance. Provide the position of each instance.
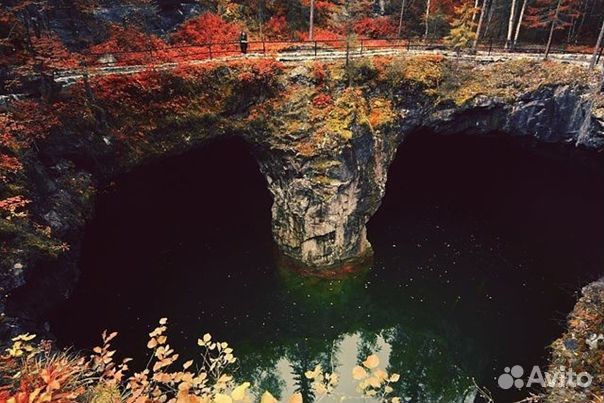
(552, 29)
(519, 23)
(400, 21)
(311, 23)
(594, 57)
(476, 4)
(483, 11)
(427, 19)
(508, 40)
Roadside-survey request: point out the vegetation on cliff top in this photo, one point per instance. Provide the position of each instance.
(122, 120)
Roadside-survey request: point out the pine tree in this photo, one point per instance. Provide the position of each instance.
(462, 28)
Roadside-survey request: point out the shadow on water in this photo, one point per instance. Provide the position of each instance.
(479, 246)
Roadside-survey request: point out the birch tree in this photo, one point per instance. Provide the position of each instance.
(508, 40)
(427, 20)
(599, 44)
(483, 11)
(519, 23)
(311, 22)
(400, 20)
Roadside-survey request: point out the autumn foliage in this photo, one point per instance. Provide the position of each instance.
(35, 373)
(207, 28)
(379, 27)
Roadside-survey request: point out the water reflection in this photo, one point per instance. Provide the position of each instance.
(424, 353)
(431, 379)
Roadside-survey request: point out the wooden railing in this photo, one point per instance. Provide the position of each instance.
(358, 46)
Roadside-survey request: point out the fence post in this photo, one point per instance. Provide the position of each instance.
(315, 48)
(361, 47)
(408, 44)
(599, 55)
(263, 47)
(210, 49)
(490, 46)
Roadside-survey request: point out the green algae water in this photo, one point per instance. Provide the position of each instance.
(480, 246)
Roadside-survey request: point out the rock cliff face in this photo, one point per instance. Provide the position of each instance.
(322, 202)
(324, 137)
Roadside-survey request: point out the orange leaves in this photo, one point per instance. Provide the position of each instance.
(13, 207)
(8, 165)
(379, 27)
(128, 45)
(319, 72)
(261, 70)
(322, 101)
(276, 26)
(208, 27)
(29, 120)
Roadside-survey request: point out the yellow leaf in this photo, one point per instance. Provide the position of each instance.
(163, 321)
(359, 373)
(314, 373)
(374, 381)
(187, 364)
(372, 361)
(394, 377)
(381, 374)
(267, 398)
(295, 398)
(239, 392)
(220, 398)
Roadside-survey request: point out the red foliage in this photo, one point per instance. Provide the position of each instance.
(208, 27)
(128, 46)
(12, 204)
(379, 27)
(261, 71)
(321, 34)
(8, 165)
(276, 27)
(543, 12)
(322, 101)
(319, 72)
(35, 119)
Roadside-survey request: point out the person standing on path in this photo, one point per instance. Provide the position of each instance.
(243, 42)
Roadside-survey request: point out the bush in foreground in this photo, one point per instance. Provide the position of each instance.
(33, 373)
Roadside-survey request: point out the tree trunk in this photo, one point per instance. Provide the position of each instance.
(519, 24)
(599, 44)
(427, 20)
(580, 26)
(400, 21)
(476, 3)
(382, 4)
(483, 11)
(508, 40)
(311, 23)
(492, 7)
(552, 29)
